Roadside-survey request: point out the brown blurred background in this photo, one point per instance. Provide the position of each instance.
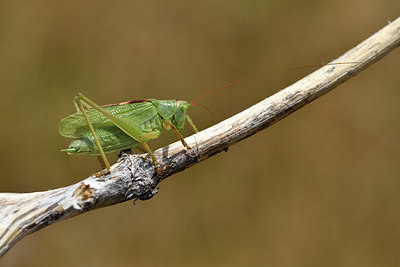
(320, 188)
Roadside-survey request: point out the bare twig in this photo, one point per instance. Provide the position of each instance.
(133, 176)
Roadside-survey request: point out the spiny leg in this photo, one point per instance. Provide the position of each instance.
(132, 130)
(81, 100)
(79, 106)
(189, 120)
(168, 123)
(102, 162)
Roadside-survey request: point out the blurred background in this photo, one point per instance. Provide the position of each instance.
(319, 188)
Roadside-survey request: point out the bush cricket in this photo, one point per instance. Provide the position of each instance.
(98, 130)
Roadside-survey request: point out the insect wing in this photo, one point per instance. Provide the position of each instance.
(75, 126)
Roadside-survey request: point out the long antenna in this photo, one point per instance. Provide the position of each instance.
(267, 74)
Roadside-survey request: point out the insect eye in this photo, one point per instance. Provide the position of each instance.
(184, 106)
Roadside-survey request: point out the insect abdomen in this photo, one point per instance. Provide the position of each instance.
(113, 142)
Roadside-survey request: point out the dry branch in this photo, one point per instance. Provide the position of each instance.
(133, 176)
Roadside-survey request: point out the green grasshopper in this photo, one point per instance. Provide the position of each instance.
(101, 130)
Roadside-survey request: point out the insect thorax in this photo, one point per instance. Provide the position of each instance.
(173, 110)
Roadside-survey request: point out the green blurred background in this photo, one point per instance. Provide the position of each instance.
(320, 188)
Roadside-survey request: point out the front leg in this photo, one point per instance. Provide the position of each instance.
(189, 120)
(169, 125)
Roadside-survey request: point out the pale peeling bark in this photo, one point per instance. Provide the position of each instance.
(133, 176)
